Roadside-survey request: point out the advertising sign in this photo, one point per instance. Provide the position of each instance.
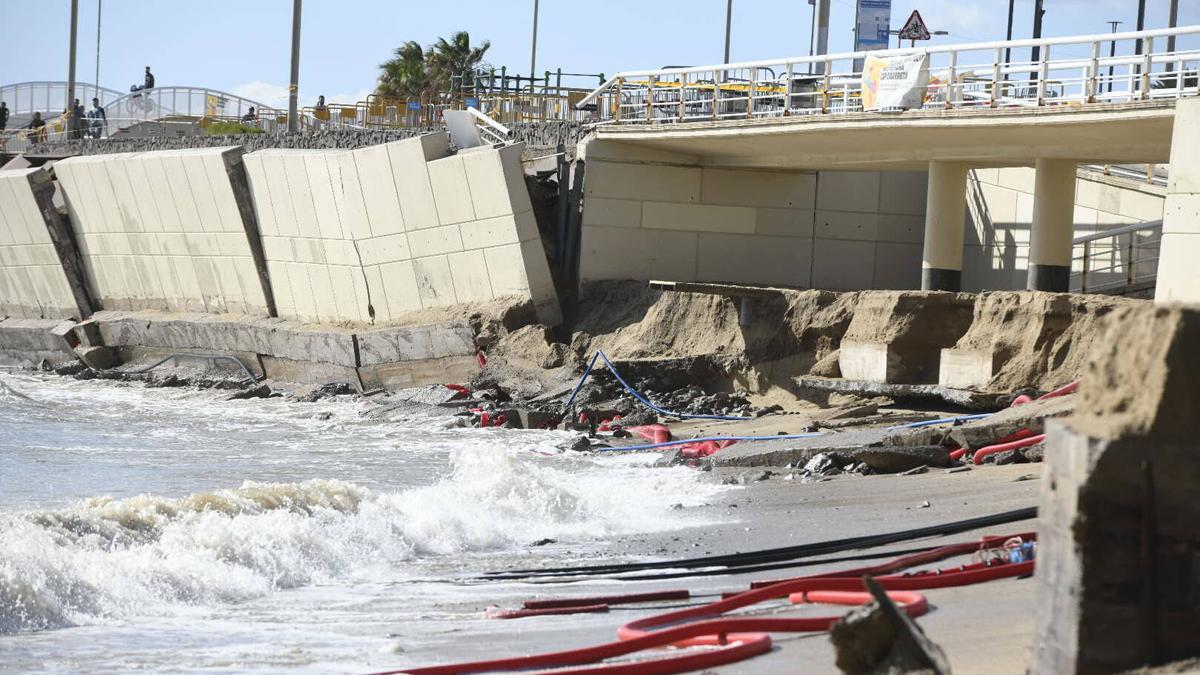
(895, 83)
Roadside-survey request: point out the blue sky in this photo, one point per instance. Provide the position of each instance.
(243, 46)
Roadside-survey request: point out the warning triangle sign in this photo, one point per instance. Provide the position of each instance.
(914, 28)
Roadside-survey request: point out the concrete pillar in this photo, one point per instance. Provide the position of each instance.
(1053, 226)
(945, 206)
(1178, 274)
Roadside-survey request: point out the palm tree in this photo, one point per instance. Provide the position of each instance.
(406, 74)
(453, 58)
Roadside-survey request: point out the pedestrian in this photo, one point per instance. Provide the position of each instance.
(3, 115)
(38, 126)
(99, 120)
(77, 120)
(321, 112)
(149, 82)
(250, 116)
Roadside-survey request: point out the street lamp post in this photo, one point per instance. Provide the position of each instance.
(533, 51)
(1112, 52)
(294, 85)
(71, 63)
(728, 27)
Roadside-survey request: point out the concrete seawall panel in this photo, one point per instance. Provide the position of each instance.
(376, 233)
(166, 231)
(35, 280)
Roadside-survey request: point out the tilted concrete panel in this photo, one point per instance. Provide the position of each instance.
(133, 212)
(34, 284)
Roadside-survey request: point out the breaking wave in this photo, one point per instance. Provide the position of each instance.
(105, 559)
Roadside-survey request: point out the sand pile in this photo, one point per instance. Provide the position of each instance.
(916, 325)
(1039, 340)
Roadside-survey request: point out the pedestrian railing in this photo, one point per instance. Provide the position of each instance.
(1058, 71)
(1119, 261)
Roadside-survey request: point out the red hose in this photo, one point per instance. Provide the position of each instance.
(1001, 447)
(744, 637)
(1061, 391)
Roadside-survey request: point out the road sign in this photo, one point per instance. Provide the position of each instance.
(915, 28)
(873, 23)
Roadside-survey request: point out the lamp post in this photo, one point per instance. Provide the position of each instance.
(71, 65)
(533, 50)
(728, 27)
(294, 84)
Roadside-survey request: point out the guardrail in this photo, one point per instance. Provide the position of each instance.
(1070, 70)
(1119, 261)
(24, 98)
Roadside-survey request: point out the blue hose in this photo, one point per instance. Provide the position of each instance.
(944, 420)
(641, 399)
(687, 441)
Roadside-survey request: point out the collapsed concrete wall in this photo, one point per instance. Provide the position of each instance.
(658, 215)
(378, 232)
(167, 230)
(35, 281)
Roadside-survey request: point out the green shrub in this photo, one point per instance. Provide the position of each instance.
(223, 128)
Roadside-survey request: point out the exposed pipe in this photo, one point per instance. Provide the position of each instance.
(1001, 447)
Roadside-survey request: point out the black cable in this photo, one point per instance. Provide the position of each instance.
(740, 560)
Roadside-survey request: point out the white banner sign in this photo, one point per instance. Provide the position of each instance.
(895, 83)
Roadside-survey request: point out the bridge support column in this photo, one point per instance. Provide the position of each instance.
(1053, 226)
(945, 206)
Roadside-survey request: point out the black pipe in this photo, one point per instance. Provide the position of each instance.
(743, 560)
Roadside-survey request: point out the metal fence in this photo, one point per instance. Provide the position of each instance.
(1071, 70)
(1120, 261)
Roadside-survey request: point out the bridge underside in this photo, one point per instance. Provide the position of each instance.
(1133, 133)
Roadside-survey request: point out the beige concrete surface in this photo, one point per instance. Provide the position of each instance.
(162, 230)
(1178, 272)
(33, 284)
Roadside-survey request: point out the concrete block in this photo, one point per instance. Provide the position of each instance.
(609, 212)
(643, 181)
(780, 222)
(841, 265)
(384, 249)
(300, 186)
(409, 160)
(470, 273)
(903, 192)
(351, 206)
(435, 284)
(966, 369)
(396, 288)
(698, 217)
(847, 225)
(778, 189)
(754, 259)
(900, 228)
(379, 190)
(847, 191)
(595, 150)
(321, 188)
(451, 191)
(897, 266)
(1141, 205)
(340, 252)
(871, 362)
(260, 192)
(621, 253)
(434, 241)
(507, 270)
(203, 195)
(488, 182)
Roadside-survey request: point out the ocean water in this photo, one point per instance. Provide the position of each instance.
(171, 530)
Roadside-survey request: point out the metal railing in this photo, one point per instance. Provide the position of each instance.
(1070, 70)
(1119, 261)
(1150, 174)
(25, 98)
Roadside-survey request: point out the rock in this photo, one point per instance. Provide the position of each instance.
(821, 465)
(260, 391)
(326, 391)
(899, 458)
(1034, 453)
(879, 638)
(1032, 416)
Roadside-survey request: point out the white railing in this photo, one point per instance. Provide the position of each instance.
(1071, 70)
(24, 98)
(1119, 261)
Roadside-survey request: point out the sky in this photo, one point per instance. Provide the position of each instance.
(243, 47)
